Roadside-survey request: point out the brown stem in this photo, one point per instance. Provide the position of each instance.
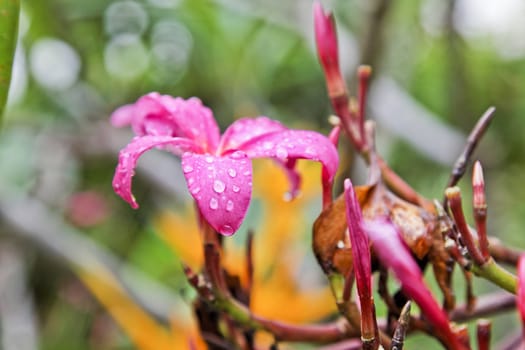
(503, 254)
(486, 305)
(398, 339)
(473, 139)
(401, 188)
(453, 195)
(249, 262)
(322, 333)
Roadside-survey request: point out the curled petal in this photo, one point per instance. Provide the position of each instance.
(155, 114)
(394, 254)
(221, 186)
(129, 156)
(122, 116)
(146, 116)
(247, 129)
(295, 144)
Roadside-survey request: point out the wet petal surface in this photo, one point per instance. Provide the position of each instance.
(295, 144)
(247, 129)
(221, 186)
(155, 114)
(129, 156)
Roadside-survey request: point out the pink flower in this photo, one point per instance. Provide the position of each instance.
(520, 292)
(217, 169)
(393, 253)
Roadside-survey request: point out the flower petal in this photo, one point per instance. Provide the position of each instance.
(155, 114)
(129, 156)
(295, 144)
(247, 129)
(520, 292)
(362, 262)
(394, 254)
(194, 120)
(221, 186)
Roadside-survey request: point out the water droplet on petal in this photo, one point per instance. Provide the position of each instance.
(229, 206)
(218, 186)
(309, 151)
(237, 155)
(235, 189)
(232, 172)
(214, 204)
(187, 168)
(246, 173)
(281, 153)
(226, 230)
(340, 244)
(208, 159)
(267, 145)
(191, 180)
(195, 190)
(287, 196)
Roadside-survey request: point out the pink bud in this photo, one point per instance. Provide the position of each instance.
(362, 264)
(326, 39)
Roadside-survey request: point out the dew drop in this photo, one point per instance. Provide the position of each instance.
(235, 189)
(232, 172)
(309, 151)
(226, 230)
(191, 180)
(195, 190)
(187, 168)
(281, 153)
(214, 204)
(246, 173)
(237, 155)
(340, 244)
(208, 159)
(218, 186)
(229, 206)
(267, 145)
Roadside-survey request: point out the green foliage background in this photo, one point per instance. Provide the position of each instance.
(241, 58)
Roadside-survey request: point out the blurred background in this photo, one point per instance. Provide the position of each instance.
(438, 65)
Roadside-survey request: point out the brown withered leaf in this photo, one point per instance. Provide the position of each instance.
(414, 223)
(330, 243)
(418, 227)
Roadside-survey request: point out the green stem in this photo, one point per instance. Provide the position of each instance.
(9, 11)
(498, 275)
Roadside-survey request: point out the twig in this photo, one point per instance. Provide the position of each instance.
(503, 254)
(398, 339)
(472, 141)
(486, 305)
